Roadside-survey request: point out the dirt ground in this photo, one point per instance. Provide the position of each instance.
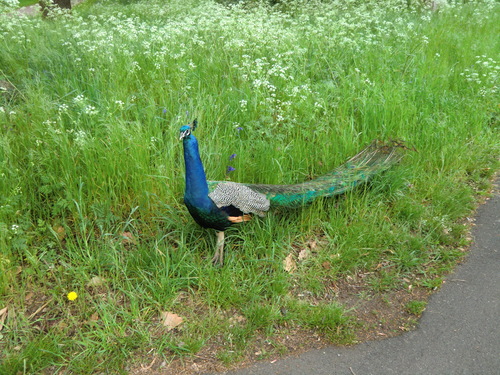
(378, 316)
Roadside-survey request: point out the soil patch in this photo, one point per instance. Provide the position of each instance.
(377, 315)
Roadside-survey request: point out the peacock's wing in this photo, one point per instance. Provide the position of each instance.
(247, 200)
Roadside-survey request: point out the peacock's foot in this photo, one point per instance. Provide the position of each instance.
(217, 259)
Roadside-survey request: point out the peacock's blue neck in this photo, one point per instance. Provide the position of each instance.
(196, 181)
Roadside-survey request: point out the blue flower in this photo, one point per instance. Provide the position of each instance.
(230, 169)
(232, 156)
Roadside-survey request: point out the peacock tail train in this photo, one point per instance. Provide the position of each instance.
(375, 158)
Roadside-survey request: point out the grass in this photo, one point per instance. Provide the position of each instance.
(416, 307)
(92, 171)
(24, 3)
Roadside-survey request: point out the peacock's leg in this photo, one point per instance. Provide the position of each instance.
(219, 251)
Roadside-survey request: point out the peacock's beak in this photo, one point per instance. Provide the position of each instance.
(184, 134)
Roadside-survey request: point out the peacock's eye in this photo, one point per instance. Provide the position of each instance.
(185, 132)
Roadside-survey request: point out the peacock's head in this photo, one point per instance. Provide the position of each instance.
(187, 129)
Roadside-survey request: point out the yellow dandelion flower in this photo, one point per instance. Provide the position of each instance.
(72, 296)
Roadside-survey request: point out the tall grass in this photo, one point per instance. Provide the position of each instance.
(92, 172)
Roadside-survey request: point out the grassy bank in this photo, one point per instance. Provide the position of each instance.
(92, 172)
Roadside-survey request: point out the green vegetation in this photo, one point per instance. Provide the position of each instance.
(416, 307)
(24, 3)
(92, 174)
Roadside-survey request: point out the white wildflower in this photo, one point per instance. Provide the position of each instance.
(79, 99)
(135, 66)
(8, 5)
(90, 110)
(81, 138)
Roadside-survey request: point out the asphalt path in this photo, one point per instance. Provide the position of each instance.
(459, 332)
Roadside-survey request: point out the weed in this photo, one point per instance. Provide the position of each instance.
(416, 307)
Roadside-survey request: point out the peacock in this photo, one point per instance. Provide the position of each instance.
(220, 204)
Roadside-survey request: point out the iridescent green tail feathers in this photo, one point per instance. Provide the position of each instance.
(375, 158)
